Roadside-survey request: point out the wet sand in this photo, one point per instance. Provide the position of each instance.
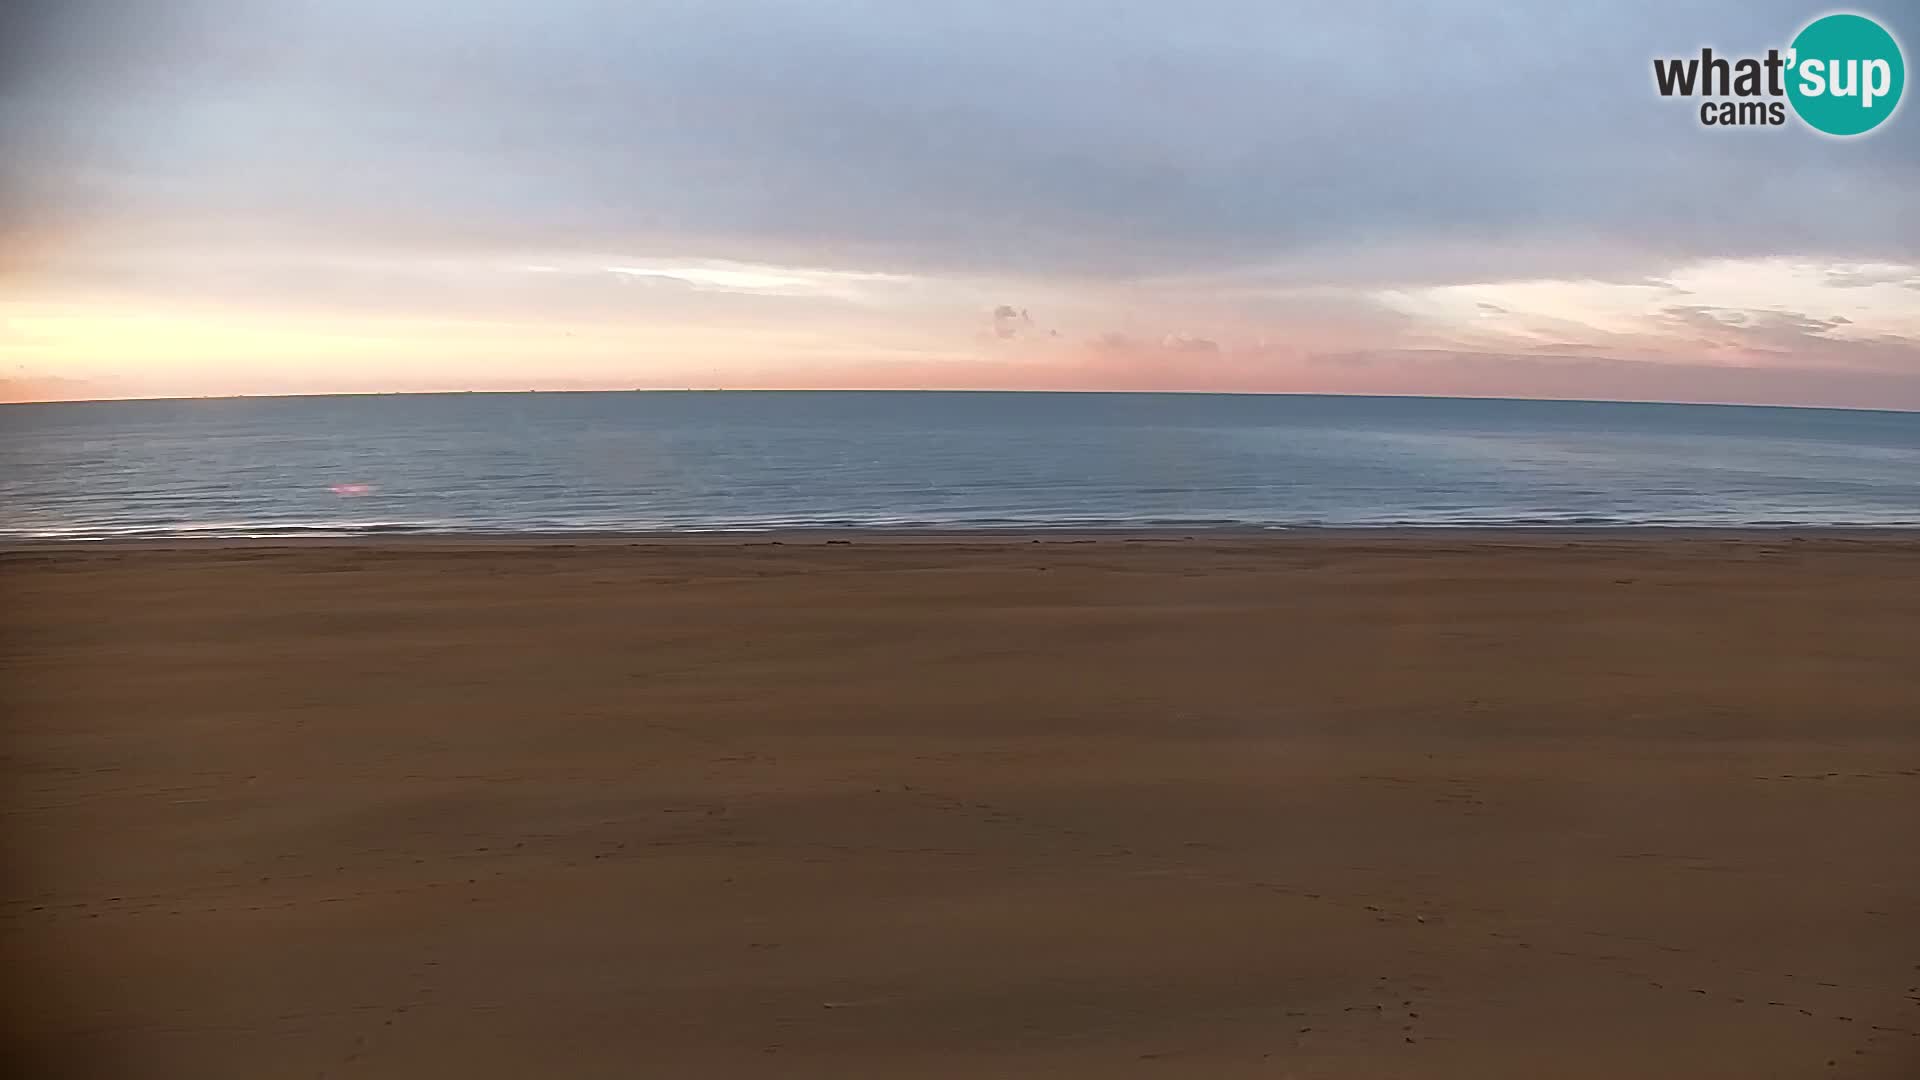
(1519, 805)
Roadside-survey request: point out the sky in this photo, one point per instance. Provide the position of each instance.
(1470, 198)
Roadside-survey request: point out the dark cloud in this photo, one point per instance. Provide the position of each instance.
(1795, 323)
(1795, 337)
(1010, 322)
(1358, 143)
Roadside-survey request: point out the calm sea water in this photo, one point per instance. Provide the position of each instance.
(488, 463)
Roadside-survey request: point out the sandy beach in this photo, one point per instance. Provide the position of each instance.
(1503, 805)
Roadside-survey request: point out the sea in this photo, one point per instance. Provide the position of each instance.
(584, 463)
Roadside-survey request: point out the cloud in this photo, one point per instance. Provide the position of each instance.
(1010, 322)
(1776, 338)
(902, 138)
(1782, 327)
(1861, 277)
(1195, 198)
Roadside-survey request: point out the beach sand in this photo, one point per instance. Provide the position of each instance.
(1515, 805)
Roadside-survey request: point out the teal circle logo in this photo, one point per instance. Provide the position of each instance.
(1845, 74)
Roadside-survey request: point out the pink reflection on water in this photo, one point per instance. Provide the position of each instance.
(352, 491)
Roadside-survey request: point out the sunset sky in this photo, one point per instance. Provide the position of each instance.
(271, 196)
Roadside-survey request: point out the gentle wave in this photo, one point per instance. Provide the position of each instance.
(275, 531)
(584, 464)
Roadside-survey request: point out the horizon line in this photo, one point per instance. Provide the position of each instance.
(290, 395)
